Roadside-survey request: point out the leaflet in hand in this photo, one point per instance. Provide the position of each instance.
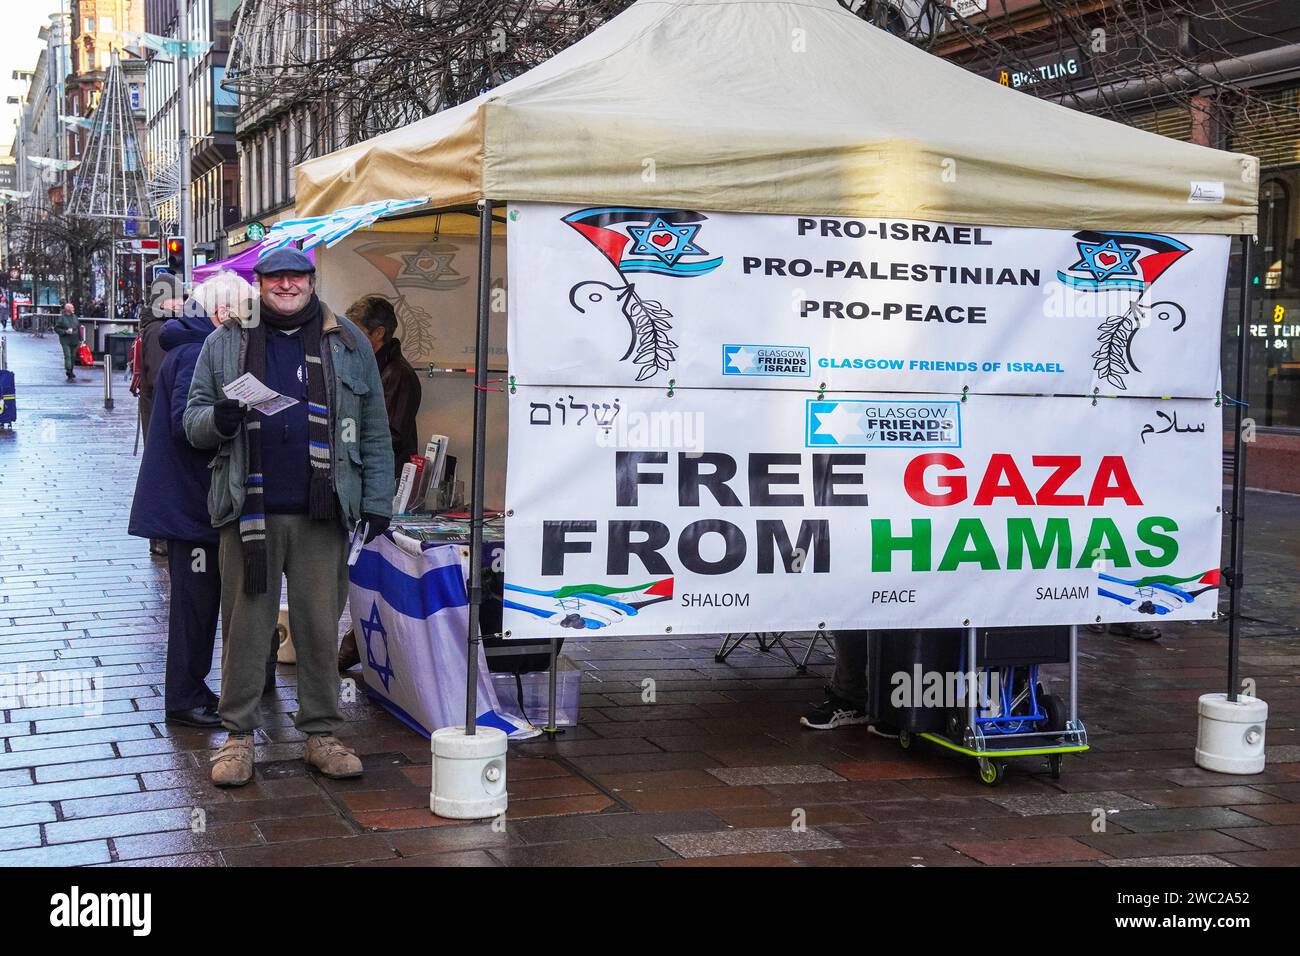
(253, 393)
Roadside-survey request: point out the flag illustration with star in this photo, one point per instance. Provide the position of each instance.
(588, 606)
(410, 611)
(428, 267)
(660, 241)
(1158, 593)
(1121, 260)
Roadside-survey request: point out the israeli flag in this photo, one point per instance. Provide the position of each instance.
(410, 611)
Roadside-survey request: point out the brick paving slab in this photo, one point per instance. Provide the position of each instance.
(916, 855)
(1177, 843)
(1056, 849)
(1183, 818)
(1271, 837)
(758, 776)
(1279, 813)
(1205, 797)
(818, 816)
(745, 841)
(435, 840)
(746, 859)
(1271, 858)
(602, 852)
(468, 858)
(1069, 803)
(1192, 860)
(718, 758)
(905, 832)
(180, 843)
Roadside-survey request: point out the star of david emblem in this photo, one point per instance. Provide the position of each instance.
(1106, 260)
(665, 241)
(372, 629)
(428, 266)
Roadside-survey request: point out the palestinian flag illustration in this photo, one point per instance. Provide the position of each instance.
(662, 241)
(1121, 260)
(1158, 593)
(587, 606)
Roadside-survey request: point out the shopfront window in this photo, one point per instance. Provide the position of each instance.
(1273, 313)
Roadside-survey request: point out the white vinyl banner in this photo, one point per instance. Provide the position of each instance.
(625, 296)
(632, 511)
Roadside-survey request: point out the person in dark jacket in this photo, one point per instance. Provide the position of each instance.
(374, 315)
(68, 328)
(168, 298)
(171, 503)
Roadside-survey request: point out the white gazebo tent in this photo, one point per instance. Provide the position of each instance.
(791, 107)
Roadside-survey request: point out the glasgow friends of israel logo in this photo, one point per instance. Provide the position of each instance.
(1120, 263)
(663, 242)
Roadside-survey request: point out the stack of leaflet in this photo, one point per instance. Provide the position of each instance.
(408, 485)
(445, 528)
(435, 456)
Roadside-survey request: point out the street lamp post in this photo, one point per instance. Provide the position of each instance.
(185, 223)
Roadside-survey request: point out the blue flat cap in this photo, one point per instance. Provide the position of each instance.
(284, 260)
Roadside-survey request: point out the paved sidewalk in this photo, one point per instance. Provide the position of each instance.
(713, 773)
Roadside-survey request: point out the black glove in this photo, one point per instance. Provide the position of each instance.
(375, 526)
(228, 414)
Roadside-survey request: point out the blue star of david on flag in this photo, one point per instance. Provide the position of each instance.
(1106, 259)
(667, 241)
(372, 629)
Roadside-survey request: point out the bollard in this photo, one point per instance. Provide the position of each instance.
(108, 380)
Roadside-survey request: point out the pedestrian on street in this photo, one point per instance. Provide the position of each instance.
(286, 490)
(167, 297)
(375, 316)
(171, 503)
(69, 331)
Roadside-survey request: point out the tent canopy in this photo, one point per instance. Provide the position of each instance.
(793, 107)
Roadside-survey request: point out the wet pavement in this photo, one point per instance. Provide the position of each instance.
(715, 771)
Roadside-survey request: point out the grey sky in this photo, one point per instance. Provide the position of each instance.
(19, 48)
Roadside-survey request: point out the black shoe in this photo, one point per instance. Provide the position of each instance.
(834, 712)
(71, 377)
(888, 731)
(205, 717)
(349, 656)
(1143, 632)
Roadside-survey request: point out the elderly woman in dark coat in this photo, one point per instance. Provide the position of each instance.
(171, 502)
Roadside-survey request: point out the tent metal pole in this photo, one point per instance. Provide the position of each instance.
(480, 450)
(1236, 575)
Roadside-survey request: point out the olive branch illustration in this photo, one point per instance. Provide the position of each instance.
(649, 345)
(1114, 358)
(650, 327)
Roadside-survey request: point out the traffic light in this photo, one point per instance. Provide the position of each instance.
(177, 254)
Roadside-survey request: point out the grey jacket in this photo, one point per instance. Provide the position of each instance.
(360, 447)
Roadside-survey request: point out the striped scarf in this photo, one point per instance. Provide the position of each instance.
(321, 501)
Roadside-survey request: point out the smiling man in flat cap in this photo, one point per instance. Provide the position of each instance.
(286, 490)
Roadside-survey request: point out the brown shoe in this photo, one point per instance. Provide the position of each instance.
(233, 764)
(349, 656)
(332, 757)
